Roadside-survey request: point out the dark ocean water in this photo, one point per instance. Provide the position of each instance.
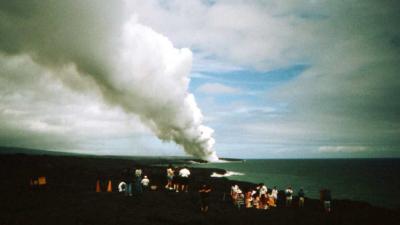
(376, 181)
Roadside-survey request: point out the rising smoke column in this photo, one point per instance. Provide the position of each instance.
(149, 69)
(133, 66)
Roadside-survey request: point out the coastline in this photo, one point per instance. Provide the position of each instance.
(369, 180)
(70, 198)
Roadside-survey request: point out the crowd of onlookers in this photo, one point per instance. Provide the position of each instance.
(263, 198)
(259, 197)
(136, 183)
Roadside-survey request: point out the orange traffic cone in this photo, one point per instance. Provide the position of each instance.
(98, 186)
(109, 186)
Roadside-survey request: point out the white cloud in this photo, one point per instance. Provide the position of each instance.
(342, 149)
(255, 110)
(217, 88)
(235, 32)
(203, 62)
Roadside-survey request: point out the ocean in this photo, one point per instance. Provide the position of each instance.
(376, 181)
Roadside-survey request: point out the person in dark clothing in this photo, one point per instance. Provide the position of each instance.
(138, 182)
(204, 192)
(127, 178)
(326, 198)
(301, 198)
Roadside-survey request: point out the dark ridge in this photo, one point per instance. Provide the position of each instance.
(30, 151)
(144, 159)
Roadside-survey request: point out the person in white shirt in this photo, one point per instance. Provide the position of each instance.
(122, 187)
(289, 196)
(263, 189)
(274, 193)
(234, 189)
(184, 174)
(145, 183)
(234, 193)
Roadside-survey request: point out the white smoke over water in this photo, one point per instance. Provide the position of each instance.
(132, 66)
(227, 174)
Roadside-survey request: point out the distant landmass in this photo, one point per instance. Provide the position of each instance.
(30, 151)
(146, 159)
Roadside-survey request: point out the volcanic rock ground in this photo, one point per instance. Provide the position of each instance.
(70, 197)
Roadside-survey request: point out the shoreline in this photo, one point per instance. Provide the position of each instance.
(370, 181)
(70, 193)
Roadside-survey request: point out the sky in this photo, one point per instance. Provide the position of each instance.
(243, 79)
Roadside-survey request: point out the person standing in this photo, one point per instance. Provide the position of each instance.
(184, 174)
(145, 183)
(127, 177)
(256, 201)
(289, 196)
(264, 201)
(170, 178)
(301, 198)
(204, 197)
(138, 182)
(176, 179)
(326, 198)
(274, 193)
(248, 199)
(234, 193)
(263, 189)
(271, 200)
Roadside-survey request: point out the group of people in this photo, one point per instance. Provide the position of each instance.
(178, 179)
(262, 198)
(259, 197)
(133, 184)
(289, 197)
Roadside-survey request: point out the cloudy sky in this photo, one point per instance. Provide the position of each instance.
(261, 79)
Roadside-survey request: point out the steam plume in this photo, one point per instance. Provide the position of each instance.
(133, 66)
